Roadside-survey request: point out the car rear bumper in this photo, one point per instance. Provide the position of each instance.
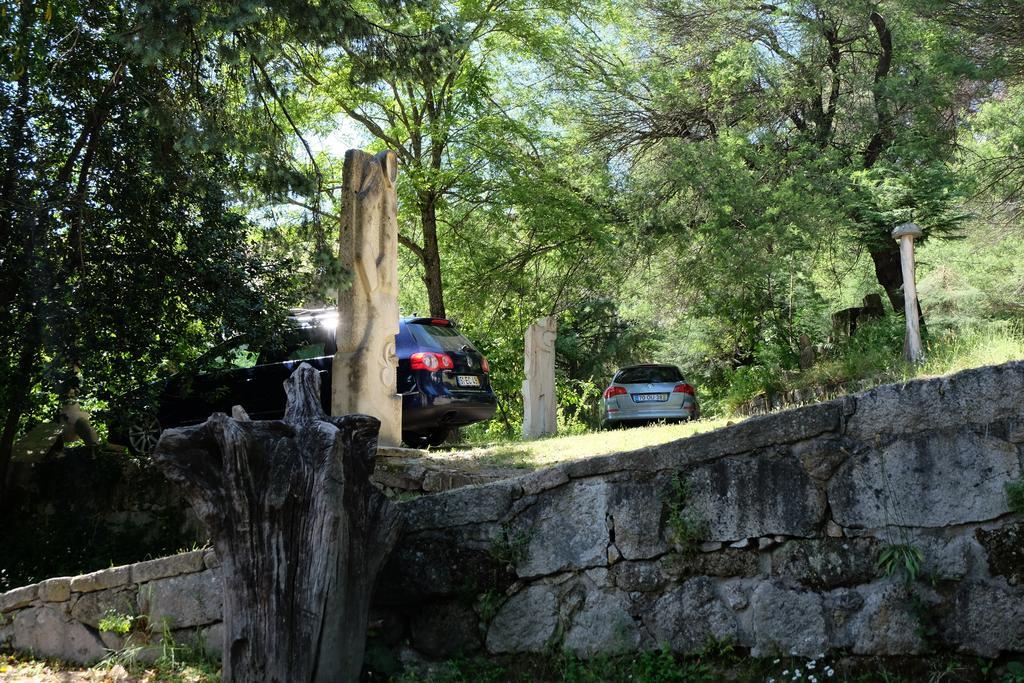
(428, 413)
(651, 414)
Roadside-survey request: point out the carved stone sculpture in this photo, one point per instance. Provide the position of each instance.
(364, 379)
(540, 409)
(300, 532)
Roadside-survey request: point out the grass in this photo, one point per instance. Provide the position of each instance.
(24, 669)
(873, 356)
(529, 455)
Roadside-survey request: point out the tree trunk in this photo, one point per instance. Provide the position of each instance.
(300, 531)
(889, 272)
(431, 256)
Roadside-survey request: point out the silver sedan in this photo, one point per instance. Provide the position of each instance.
(644, 393)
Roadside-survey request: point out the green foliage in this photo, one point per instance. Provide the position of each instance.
(1014, 673)
(69, 506)
(488, 605)
(510, 547)
(900, 558)
(658, 666)
(113, 621)
(1015, 496)
(685, 527)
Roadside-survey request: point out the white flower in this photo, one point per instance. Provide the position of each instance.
(776, 661)
(811, 664)
(829, 671)
(796, 674)
(786, 672)
(812, 679)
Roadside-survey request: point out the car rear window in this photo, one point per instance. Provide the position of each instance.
(649, 375)
(438, 337)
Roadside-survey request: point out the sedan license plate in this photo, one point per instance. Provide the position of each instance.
(467, 380)
(649, 398)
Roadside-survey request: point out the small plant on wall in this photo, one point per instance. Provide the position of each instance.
(1015, 496)
(901, 558)
(686, 529)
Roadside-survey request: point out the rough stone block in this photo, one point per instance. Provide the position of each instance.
(101, 580)
(727, 562)
(759, 432)
(186, 601)
(979, 396)
(930, 480)
(986, 618)
(886, 624)
(528, 622)
(435, 565)
(210, 559)
(635, 508)
(17, 598)
(644, 577)
(442, 631)
(435, 481)
(90, 607)
(746, 497)
(470, 505)
(175, 565)
(787, 621)
(543, 480)
(567, 530)
(602, 625)
(828, 562)
(55, 590)
(822, 456)
(45, 632)
(1004, 551)
(686, 617)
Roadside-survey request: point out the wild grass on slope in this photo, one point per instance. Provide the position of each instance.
(874, 355)
(546, 452)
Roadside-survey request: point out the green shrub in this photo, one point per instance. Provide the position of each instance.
(1015, 496)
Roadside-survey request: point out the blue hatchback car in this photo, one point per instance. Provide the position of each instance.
(442, 378)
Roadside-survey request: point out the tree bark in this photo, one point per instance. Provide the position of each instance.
(300, 531)
(889, 274)
(431, 257)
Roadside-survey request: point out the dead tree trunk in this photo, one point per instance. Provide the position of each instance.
(299, 529)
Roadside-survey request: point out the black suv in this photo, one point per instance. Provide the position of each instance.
(442, 378)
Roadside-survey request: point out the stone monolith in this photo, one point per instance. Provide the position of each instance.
(364, 368)
(540, 408)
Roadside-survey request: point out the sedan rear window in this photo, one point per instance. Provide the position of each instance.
(649, 375)
(438, 337)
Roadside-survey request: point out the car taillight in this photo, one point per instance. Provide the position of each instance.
(486, 365)
(426, 360)
(614, 391)
(684, 388)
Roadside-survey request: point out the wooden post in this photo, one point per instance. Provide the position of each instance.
(912, 350)
(299, 530)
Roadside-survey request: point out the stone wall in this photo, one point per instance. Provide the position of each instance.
(60, 618)
(767, 533)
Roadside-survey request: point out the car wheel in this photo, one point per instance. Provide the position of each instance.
(438, 437)
(415, 439)
(143, 433)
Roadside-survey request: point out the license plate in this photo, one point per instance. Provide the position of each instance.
(468, 380)
(649, 398)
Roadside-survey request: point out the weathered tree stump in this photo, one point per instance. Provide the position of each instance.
(299, 529)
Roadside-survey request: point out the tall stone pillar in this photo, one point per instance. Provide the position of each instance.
(540, 409)
(364, 379)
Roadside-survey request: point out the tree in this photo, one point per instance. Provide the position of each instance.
(300, 530)
(441, 108)
(129, 135)
(761, 138)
